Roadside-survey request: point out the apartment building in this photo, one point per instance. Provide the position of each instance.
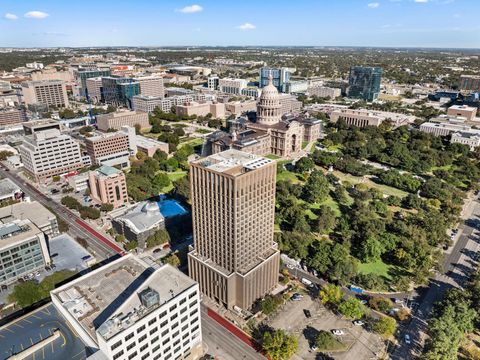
(464, 111)
(324, 92)
(289, 103)
(470, 82)
(48, 153)
(133, 308)
(94, 89)
(12, 116)
(83, 74)
(234, 259)
(213, 82)
(48, 93)
(148, 103)
(23, 250)
(232, 86)
(110, 149)
(151, 85)
(108, 186)
(363, 117)
(118, 119)
(39, 215)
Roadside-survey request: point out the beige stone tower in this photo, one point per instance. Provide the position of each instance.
(269, 109)
(235, 259)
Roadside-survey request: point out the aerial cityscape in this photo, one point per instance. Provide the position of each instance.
(240, 180)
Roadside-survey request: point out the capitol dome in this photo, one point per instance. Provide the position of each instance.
(269, 107)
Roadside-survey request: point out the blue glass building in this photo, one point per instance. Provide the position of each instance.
(364, 83)
(281, 78)
(83, 75)
(119, 91)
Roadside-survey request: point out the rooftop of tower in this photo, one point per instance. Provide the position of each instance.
(233, 162)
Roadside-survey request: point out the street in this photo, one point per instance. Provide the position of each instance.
(77, 226)
(458, 265)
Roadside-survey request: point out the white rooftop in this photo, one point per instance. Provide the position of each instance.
(232, 159)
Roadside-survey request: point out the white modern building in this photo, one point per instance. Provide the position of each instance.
(232, 86)
(48, 153)
(132, 308)
(324, 92)
(23, 250)
(213, 82)
(466, 138)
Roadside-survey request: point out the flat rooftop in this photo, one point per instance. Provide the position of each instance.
(34, 211)
(107, 299)
(17, 231)
(233, 162)
(145, 142)
(7, 188)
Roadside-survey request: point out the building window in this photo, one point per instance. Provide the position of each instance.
(140, 329)
(116, 345)
(117, 355)
(132, 355)
(131, 346)
(142, 338)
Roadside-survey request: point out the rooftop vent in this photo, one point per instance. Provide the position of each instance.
(149, 297)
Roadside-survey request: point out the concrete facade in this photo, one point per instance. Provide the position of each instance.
(467, 112)
(49, 93)
(235, 259)
(118, 119)
(109, 149)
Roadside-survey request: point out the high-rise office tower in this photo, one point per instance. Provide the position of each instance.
(364, 82)
(235, 259)
(280, 78)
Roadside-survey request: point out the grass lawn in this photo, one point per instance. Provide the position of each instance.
(191, 141)
(287, 175)
(328, 202)
(272, 157)
(203, 131)
(304, 144)
(378, 267)
(173, 176)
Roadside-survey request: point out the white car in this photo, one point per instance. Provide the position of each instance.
(290, 266)
(358, 323)
(408, 341)
(313, 348)
(338, 332)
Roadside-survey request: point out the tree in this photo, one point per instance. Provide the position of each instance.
(159, 238)
(380, 303)
(56, 178)
(138, 129)
(130, 245)
(330, 294)
(371, 249)
(106, 207)
(316, 188)
(325, 341)
(385, 326)
(181, 188)
(271, 303)
(172, 259)
(26, 294)
(161, 181)
(4, 154)
(277, 345)
(352, 308)
(326, 219)
(304, 164)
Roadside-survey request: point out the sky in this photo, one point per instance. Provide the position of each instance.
(382, 23)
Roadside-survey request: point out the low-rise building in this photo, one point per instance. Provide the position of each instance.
(31, 127)
(324, 92)
(139, 222)
(149, 146)
(49, 153)
(467, 112)
(363, 117)
(470, 82)
(12, 116)
(466, 138)
(39, 215)
(133, 308)
(289, 103)
(109, 149)
(239, 107)
(23, 250)
(108, 186)
(232, 86)
(79, 183)
(445, 128)
(9, 190)
(118, 119)
(202, 109)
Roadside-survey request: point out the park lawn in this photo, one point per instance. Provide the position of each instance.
(304, 144)
(272, 157)
(354, 180)
(445, 167)
(330, 202)
(336, 147)
(203, 131)
(190, 141)
(377, 267)
(287, 175)
(173, 176)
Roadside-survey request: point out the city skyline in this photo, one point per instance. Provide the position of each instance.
(371, 23)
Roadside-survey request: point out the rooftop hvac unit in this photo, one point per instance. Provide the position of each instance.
(149, 297)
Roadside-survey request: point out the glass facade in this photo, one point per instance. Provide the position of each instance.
(119, 91)
(20, 260)
(87, 74)
(280, 77)
(364, 83)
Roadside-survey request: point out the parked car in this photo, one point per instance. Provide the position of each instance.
(296, 298)
(86, 257)
(37, 273)
(408, 341)
(54, 255)
(307, 313)
(338, 332)
(313, 347)
(358, 323)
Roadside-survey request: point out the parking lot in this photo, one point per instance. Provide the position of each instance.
(360, 343)
(36, 326)
(66, 253)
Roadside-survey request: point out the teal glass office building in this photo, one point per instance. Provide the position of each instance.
(364, 83)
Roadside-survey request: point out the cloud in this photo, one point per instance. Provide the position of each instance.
(190, 9)
(9, 16)
(36, 15)
(421, 1)
(246, 26)
(373, 5)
